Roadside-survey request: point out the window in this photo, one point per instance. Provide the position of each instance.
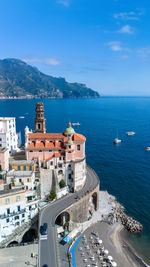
(24, 168)
(16, 217)
(22, 221)
(0, 145)
(59, 150)
(10, 167)
(18, 198)
(17, 223)
(50, 141)
(69, 152)
(31, 151)
(69, 146)
(23, 215)
(78, 147)
(7, 220)
(28, 180)
(30, 207)
(50, 150)
(29, 198)
(59, 158)
(8, 211)
(0, 139)
(18, 208)
(60, 172)
(27, 187)
(69, 176)
(40, 150)
(7, 200)
(18, 168)
(30, 168)
(20, 180)
(39, 126)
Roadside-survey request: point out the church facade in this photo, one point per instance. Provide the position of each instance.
(61, 153)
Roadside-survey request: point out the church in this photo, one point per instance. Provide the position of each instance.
(63, 154)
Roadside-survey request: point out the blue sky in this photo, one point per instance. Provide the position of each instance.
(102, 43)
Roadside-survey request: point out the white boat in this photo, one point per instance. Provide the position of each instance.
(130, 133)
(147, 148)
(21, 117)
(75, 124)
(117, 141)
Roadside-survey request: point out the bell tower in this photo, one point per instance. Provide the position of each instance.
(40, 120)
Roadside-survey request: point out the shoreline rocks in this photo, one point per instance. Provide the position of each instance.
(117, 214)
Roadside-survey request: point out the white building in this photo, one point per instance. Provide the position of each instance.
(12, 210)
(17, 206)
(8, 136)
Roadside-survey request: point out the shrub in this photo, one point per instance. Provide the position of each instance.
(52, 195)
(62, 183)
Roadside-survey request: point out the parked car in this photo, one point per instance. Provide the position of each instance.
(43, 229)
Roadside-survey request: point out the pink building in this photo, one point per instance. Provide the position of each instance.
(62, 152)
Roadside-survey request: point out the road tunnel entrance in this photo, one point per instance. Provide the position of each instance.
(94, 200)
(63, 219)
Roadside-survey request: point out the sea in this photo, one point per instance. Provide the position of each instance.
(124, 169)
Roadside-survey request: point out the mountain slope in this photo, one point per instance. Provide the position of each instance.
(18, 79)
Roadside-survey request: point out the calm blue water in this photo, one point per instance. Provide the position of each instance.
(124, 170)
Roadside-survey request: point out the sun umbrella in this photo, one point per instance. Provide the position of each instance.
(100, 241)
(106, 251)
(110, 258)
(114, 264)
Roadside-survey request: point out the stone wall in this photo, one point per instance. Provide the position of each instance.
(83, 208)
(46, 182)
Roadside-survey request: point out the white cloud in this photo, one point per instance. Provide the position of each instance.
(126, 29)
(124, 57)
(115, 46)
(144, 52)
(63, 2)
(131, 15)
(47, 61)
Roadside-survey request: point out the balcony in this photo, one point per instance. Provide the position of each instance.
(5, 216)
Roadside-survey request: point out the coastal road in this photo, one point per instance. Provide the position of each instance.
(47, 248)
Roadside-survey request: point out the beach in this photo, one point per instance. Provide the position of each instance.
(113, 240)
(111, 232)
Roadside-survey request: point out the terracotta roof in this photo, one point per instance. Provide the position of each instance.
(45, 145)
(57, 155)
(45, 139)
(79, 138)
(46, 135)
(50, 158)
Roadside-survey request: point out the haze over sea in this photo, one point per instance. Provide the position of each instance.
(124, 169)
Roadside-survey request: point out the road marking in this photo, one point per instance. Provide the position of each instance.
(43, 237)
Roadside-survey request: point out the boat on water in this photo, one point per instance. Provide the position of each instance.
(117, 141)
(147, 148)
(21, 117)
(75, 124)
(130, 133)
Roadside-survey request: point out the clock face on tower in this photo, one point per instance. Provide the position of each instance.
(40, 120)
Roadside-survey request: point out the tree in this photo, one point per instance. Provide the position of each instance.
(62, 184)
(52, 195)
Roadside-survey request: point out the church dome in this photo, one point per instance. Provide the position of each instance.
(69, 130)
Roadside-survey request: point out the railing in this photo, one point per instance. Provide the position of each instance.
(4, 216)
